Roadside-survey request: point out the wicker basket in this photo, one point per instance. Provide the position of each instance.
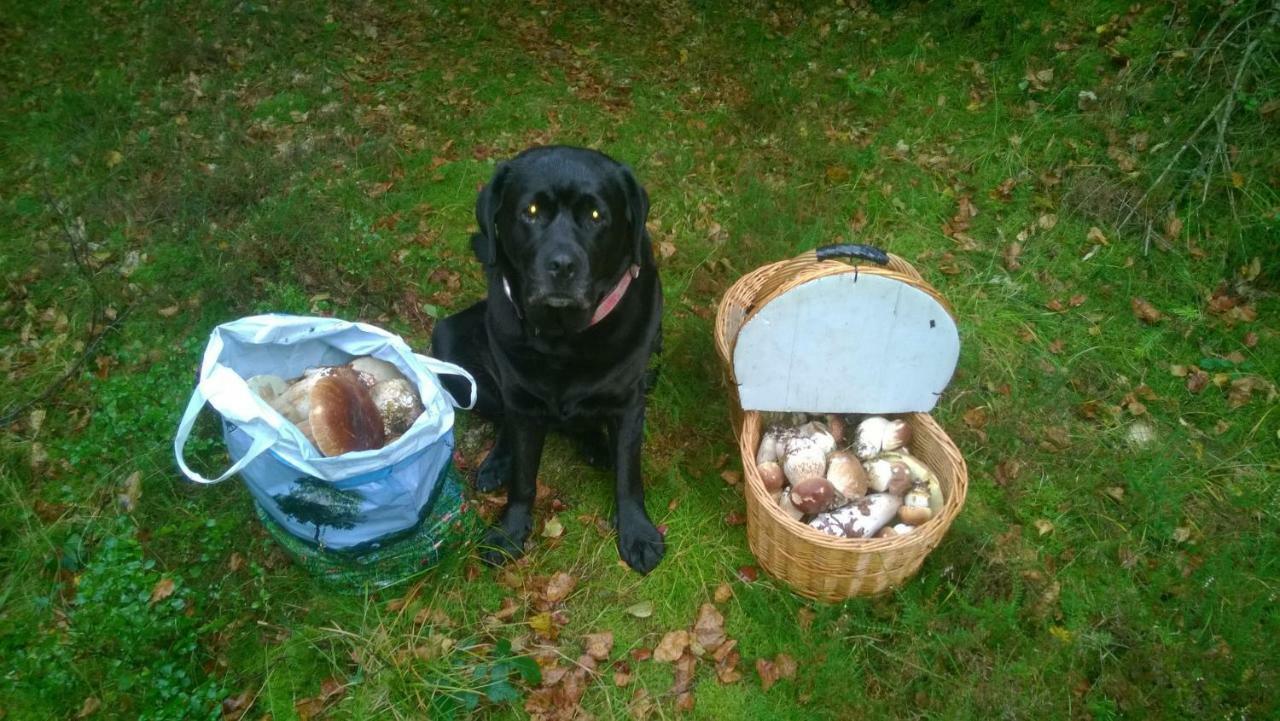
(813, 563)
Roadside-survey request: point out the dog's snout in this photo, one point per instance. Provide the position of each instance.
(562, 266)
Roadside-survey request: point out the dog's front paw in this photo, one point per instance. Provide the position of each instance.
(492, 473)
(639, 542)
(505, 541)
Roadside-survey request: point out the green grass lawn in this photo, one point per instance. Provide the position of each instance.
(170, 166)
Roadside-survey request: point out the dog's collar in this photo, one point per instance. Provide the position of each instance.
(606, 306)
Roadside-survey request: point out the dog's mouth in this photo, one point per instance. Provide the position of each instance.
(559, 301)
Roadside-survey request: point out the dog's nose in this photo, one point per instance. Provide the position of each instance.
(561, 266)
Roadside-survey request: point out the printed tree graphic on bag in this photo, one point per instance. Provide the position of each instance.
(318, 502)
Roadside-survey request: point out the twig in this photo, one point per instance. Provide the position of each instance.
(79, 254)
(1185, 144)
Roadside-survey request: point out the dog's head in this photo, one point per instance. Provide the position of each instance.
(560, 226)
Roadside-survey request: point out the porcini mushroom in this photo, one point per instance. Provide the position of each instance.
(343, 416)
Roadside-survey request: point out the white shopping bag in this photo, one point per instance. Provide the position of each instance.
(352, 501)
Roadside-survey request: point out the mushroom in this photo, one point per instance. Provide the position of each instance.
(398, 405)
(769, 451)
(813, 495)
(869, 514)
(835, 424)
(381, 370)
(295, 402)
(846, 474)
(772, 476)
(878, 434)
(803, 461)
(816, 433)
(891, 475)
(920, 474)
(915, 506)
(343, 416)
(267, 386)
(789, 508)
(828, 523)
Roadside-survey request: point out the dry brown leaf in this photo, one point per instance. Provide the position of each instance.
(621, 674)
(768, 673)
(804, 618)
(169, 311)
(1096, 236)
(723, 593)
(1145, 312)
(1007, 471)
(859, 220)
(785, 665)
(543, 625)
(553, 528)
(727, 658)
(1044, 526)
(644, 609)
(235, 707)
(510, 606)
(748, 573)
(976, 417)
(598, 645)
(733, 478)
(708, 629)
(641, 706)
(672, 646)
(235, 561)
(162, 590)
(1012, 253)
(559, 586)
(331, 690)
(1077, 300)
(89, 707)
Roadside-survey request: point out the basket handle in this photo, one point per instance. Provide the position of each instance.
(855, 251)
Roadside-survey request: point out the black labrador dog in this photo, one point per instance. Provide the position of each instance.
(563, 340)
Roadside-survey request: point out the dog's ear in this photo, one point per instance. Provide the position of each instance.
(637, 212)
(485, 243)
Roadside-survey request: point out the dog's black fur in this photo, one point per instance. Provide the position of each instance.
(539, 364)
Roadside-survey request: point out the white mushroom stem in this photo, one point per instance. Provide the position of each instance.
(870, 513)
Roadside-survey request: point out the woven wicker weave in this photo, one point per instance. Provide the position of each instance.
(813, 563)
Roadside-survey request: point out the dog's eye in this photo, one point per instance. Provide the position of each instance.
(532, 210)
(595, 215)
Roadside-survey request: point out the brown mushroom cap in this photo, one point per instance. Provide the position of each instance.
(813, 495)
(343, 417)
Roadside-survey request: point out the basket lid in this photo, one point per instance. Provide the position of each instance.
(872, 341)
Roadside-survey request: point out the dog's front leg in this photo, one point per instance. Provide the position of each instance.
(506, 539)
(639, 543)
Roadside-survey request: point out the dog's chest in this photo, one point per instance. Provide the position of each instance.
(569, 390)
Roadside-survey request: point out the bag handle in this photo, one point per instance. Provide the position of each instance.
(444, 368)
(262, 441)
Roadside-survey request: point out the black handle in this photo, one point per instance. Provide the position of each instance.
(853, 250)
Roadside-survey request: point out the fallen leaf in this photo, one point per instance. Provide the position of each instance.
(1044, 526)
(666, 249)
(543, 625)
(131, 491)
(114, 158)
(376, 190)
(768, 673)
(748, 573)
(641, 654)
(1197, 380)
(1012, 253)
(36, 418)
(859, 220)
(1242, 390)
(235, 707)
(727, 658)
(169, 311)
(1172, 227)
(733, 478)
(1055, 305)
(708, 629)
(644, 609)
(1116, 492)
(162, 590)
(1056, 346)
(672, 646)
(786, 666)
(723, 593)
(89, 707)
(1057, 437)
(331, 690)
(1047, 221)
(553, 528)
(559, 586)
(1007, 471)
(1077, 300)
(734, 518)
(598, 645)
(507, 610)
(1181, 534)
(641, 705)
(235, 562)
(1250, 340)
(837, 174)
(1096, 236)
(1145, 312)
(621, 674)
(976, 417)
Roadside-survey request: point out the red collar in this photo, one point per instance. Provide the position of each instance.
(606, 306)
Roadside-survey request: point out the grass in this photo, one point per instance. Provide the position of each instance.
(218, 159)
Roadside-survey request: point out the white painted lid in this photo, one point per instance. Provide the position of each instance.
(847, 343)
